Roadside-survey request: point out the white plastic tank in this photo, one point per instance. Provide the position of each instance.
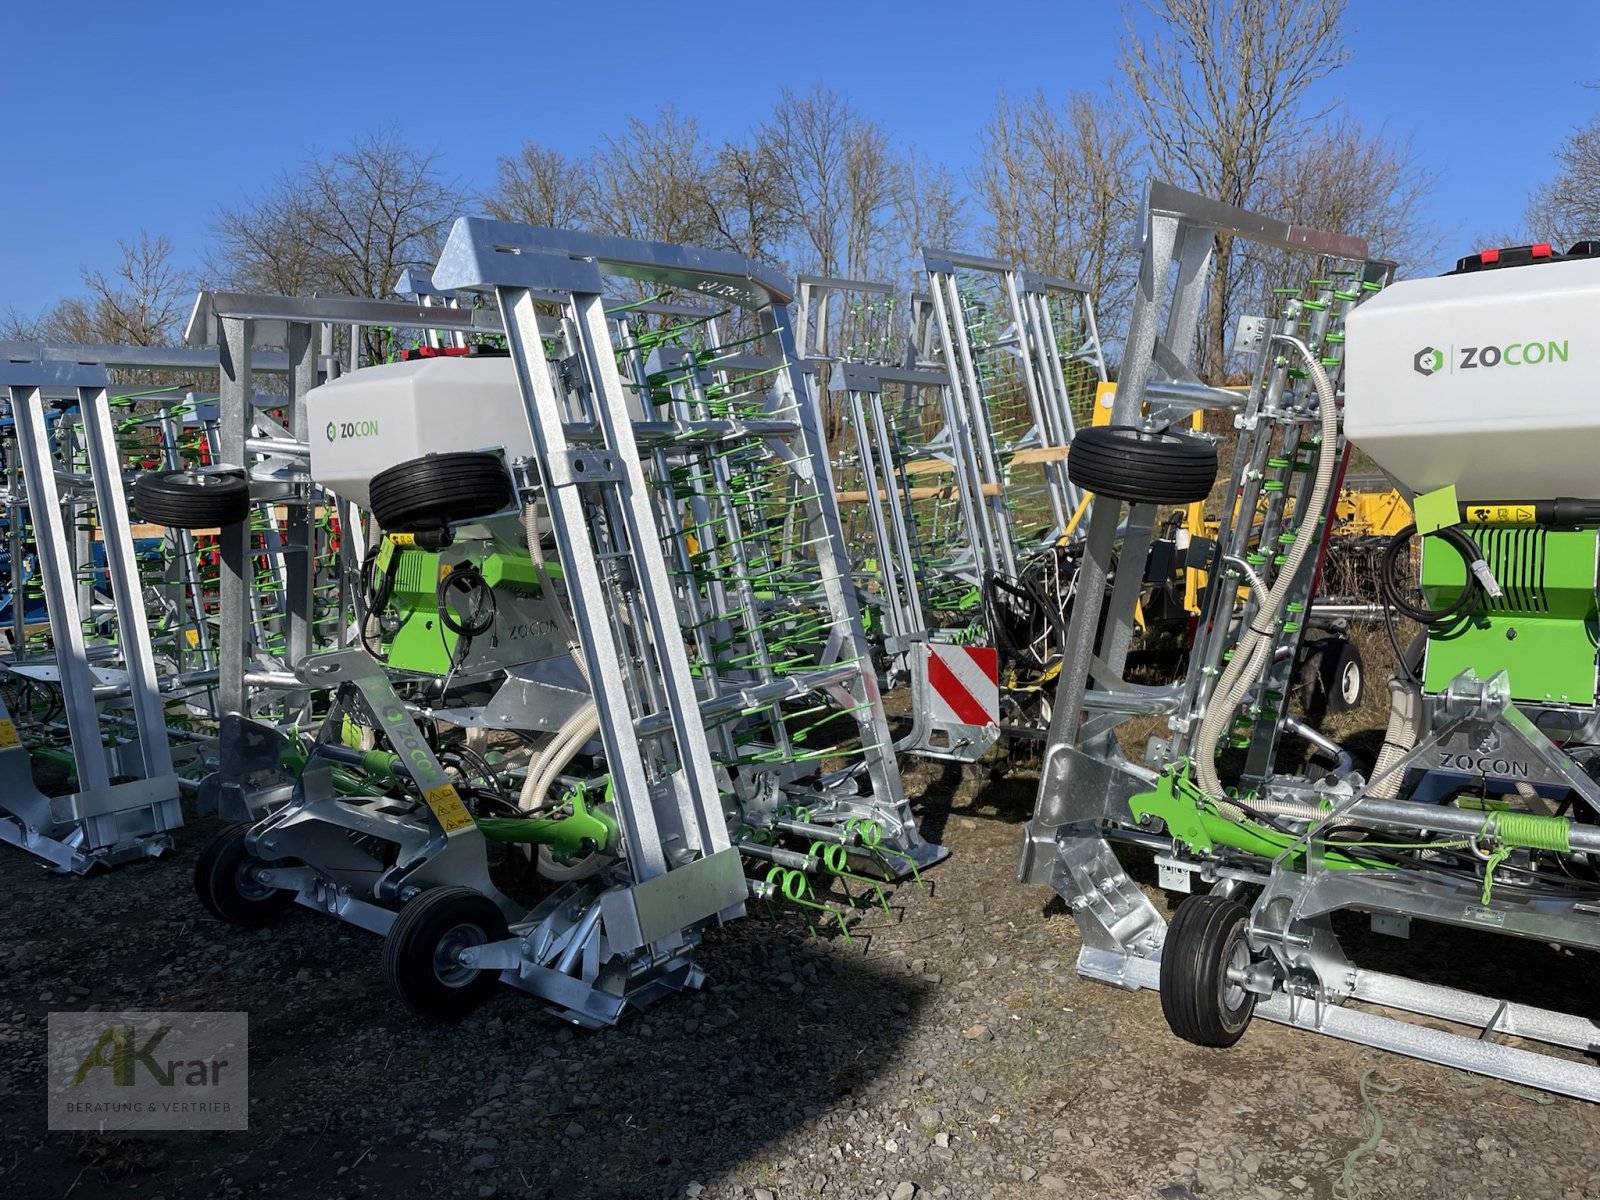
(1489, 380)
(374, 418)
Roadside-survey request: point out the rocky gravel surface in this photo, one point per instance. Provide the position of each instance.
(947, 1049)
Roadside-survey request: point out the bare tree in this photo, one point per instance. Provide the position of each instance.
(1055, 185)
(1218, 90)
(745, 208)
(845, 193)
(142, 301)
(1343, 179)
(1567, 209)
(540, 186)
(347, 223)
(652, 181)
(933, 212)
(18, 326)
(842, 185)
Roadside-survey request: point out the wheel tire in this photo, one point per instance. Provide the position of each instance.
(192, 499)
(418, 953)
(223, 883)
(1342, 675)
(438, 489)
(1126, 463)
(1205, 939)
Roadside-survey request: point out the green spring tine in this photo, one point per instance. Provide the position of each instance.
(796, 888)
(836, 859)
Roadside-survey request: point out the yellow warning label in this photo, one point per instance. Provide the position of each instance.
(8, 736)
(445, 804)
(1500, 514)
(385, 555)
(193, 637)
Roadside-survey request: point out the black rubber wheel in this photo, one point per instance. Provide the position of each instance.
(438, 489)
(419, 953)
(1342, 675)
(1126, 463)
(1204, 942)
(192, 499)
(224, 881)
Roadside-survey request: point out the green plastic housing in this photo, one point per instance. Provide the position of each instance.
(1541, 632)
(421, 643)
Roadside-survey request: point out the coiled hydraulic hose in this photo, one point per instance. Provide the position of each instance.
(1394, 589)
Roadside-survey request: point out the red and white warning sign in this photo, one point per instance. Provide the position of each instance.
(963, 684)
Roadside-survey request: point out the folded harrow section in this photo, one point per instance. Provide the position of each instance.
(644, 613)
(80, 678)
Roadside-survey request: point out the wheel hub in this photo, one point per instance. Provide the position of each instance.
(447, 964)
(248, 883)
(1236, 972)
(1350, 683)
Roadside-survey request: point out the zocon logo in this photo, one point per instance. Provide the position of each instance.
(1427, 361)
(351, 429)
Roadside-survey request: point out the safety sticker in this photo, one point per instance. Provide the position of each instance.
(445, 804)
(1500, 514)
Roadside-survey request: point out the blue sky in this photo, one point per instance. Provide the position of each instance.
(124, 117)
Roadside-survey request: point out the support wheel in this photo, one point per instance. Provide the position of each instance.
(1205, 944)
(224, 879)
(1343, 674)
(192, 499)
(419, 955)
(438, 489)
(1127, 463)
(1332, 677)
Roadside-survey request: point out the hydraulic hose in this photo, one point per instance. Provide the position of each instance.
(1254, 651)
(584, 723)
(542, 774)
(1471, 592)
(1405, 701)
(548, 764)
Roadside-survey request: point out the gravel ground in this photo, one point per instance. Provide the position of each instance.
(946, 1050)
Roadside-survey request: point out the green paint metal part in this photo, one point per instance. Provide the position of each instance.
(421, 643)
(1191, 818)
(585, 831)
(1542, 631)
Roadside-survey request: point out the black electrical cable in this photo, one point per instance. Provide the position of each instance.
(1393, 591)
(1260, 818)
(1394, 645)
(475, 621)
(472, 622)
(376, 590)
(465, 757)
